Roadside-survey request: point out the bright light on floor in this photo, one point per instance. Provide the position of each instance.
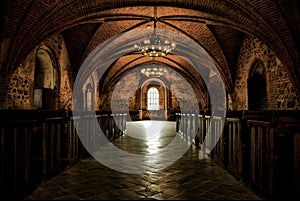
(147, 130)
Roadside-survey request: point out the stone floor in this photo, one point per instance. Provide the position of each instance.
(145, 165)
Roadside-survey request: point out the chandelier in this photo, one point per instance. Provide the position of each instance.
(153, 71)
(154, 46)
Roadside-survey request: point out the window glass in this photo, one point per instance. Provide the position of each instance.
(153, 99)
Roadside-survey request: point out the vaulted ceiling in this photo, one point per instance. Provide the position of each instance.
(219, 26)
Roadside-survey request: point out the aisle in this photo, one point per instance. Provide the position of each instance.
(186, 178)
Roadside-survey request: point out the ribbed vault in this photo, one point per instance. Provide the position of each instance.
(218, 26)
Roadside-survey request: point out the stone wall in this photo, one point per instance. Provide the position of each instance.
(20, 84)
(281, 93)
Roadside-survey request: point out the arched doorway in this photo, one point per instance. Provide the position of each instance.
(257, 87)
(45, 81)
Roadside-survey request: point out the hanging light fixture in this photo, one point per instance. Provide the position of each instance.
(154, 47)
(155, 70)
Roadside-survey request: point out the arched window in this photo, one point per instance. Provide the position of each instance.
(153, 98)
(89, 99)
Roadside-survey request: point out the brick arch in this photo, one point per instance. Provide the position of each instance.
(42, 19)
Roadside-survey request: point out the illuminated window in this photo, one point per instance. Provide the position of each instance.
(153, 99)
